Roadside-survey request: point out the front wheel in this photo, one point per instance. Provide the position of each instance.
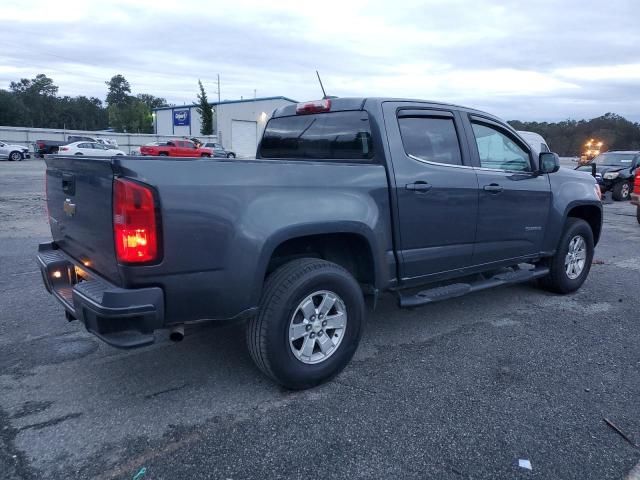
(621, 191)
(309, 324)
(15, 156)
(569, 267)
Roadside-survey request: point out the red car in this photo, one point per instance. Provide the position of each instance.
(635, 196)
(176, 148)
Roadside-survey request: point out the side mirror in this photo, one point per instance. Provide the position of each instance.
(549, 162)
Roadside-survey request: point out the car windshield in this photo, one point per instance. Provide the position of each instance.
(614, 159)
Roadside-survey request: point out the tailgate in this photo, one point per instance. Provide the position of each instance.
(79, 197)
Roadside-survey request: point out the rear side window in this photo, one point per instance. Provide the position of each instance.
(430, 138)
(323, 136)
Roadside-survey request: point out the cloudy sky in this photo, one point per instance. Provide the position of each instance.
(534, 60)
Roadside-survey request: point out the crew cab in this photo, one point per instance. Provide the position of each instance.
(176, 148)
(347, 198)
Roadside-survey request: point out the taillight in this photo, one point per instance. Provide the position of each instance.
(636, 184)
(317, 106)
(63, 149)
(134, 222)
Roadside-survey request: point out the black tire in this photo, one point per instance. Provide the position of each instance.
(231, 155)
(79, 153)
(621, 191)
(15, 156)
(205, 155)
(163, 154)
(268, 331)
(558, 280)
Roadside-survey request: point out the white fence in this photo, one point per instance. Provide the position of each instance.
(126, 141)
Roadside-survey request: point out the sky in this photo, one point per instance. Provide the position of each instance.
(528, 60)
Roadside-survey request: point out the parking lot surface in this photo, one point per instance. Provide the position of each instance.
(460, 389)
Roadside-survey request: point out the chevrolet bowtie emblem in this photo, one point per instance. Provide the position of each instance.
(69, 208)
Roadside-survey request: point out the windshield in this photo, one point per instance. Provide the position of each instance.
(615, 159)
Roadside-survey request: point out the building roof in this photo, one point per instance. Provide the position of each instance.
(225, 102)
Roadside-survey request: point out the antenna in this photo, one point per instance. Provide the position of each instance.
(321, 86)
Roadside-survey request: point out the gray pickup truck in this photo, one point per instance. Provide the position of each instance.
(347, 198)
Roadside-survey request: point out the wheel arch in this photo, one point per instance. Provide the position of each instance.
(590, 213)
(348, 244)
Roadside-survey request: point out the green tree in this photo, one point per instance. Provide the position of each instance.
(151, 101)
(119, 90)
(12, 110)
(205, 111)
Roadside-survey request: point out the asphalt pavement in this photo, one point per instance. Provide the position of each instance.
(461, 389)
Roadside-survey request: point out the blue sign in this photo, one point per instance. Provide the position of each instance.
(181, 118)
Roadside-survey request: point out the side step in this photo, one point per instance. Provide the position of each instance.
(459, 289)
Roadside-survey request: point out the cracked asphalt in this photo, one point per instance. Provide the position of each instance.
(461, 389)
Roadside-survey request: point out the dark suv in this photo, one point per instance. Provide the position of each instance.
(615, 172)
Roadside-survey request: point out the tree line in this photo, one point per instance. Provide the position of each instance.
(567, 138)
(35, 103)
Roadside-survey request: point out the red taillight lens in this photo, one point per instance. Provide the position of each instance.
(63, 149)
(317, 106)
(636, 184)
(134, 222)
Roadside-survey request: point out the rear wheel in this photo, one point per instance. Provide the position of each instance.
(569, 267)
(15, 156)
(621, 191)
(79, 153)
(206, 155)
(231, 155)
(309, 324)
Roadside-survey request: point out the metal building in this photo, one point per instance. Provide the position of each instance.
(238, 124)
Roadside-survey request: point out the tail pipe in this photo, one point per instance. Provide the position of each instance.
(177, 333)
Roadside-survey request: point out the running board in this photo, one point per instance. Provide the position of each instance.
(459, 289)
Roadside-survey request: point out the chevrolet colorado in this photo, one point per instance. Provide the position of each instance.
(347, 198)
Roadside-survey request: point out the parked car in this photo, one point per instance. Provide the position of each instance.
(635, 196)
(615, 172)
(219, 150)
(176, 148)
(90, 149)
(535, 141)
(48, 147)
(12, 152)
(136, 150)
(346, 198)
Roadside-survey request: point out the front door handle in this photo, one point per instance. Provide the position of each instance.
(493, 188)
(418, 187)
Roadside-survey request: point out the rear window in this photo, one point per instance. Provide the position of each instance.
(325, 136)
(431, 138)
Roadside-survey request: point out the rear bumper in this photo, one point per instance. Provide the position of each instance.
(123, 318)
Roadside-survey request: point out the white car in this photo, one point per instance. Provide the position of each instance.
(90, 149)
(13, 152)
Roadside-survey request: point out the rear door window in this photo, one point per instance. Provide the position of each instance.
(322, 136)
(431, 139)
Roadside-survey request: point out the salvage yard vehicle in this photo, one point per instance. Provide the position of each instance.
(347, 198)
(12, 152)
(48, 147)
(615, 172)
(176, 148)
(635, 196)
(90, 149)
(219, 151)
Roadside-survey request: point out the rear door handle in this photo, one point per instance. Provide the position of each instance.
(418, 186)
(493, 188)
